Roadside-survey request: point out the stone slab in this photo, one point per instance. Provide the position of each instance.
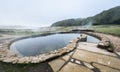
(93, 47)
(66, 57)
(88, 65)
(87, 56)
(71, 67)
(103, 68)
(118, 53)
(56, 64)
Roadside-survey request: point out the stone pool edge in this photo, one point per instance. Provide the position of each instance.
(104, 43)
(9, 57)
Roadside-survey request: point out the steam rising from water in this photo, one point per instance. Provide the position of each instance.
(88, 25)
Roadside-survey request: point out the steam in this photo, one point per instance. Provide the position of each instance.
(88, 25)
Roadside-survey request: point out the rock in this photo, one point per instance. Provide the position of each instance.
(23, 60)
(110, 49)
(118, 53)
(11, 54)
(35, 60)
(83, 37)
(12, 60)
(77, 62)
(106, 43)
(100, 45)
(103, 44)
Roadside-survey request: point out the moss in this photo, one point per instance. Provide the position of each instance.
(111, 47)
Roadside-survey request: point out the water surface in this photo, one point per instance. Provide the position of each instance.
(37, 45)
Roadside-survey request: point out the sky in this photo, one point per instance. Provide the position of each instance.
(46, 12)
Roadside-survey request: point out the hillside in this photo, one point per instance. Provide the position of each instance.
(68, 22)
(111, 16)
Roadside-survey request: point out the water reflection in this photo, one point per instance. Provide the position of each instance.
(38, 45)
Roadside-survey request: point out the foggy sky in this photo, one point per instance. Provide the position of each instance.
(46, 12)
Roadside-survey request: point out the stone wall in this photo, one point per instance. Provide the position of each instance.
(104, 43)
(7, 56)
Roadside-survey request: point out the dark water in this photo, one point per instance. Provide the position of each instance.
(38, 45)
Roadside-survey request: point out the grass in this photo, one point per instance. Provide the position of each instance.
(113, 30)
(39, 67)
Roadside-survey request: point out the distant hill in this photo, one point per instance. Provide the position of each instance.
(68, 22)
(111, 16)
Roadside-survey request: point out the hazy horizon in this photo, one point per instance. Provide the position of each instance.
(46, 12)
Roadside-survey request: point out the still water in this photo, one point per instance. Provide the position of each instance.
(37, 45)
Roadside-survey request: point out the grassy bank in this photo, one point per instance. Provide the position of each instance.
(113, 30)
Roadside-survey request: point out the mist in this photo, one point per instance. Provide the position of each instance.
(41, 13)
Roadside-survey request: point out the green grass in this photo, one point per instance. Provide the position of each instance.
(8, 67)
(113, 30)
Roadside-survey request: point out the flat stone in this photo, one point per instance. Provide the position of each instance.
(103, 68)
(66, 57)
(78, 62)
(71, 67)
(118, 53)
(72, 60)
(70, 53)
(88, 65)
(93, 47)
(56, 64)
(87, 56)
